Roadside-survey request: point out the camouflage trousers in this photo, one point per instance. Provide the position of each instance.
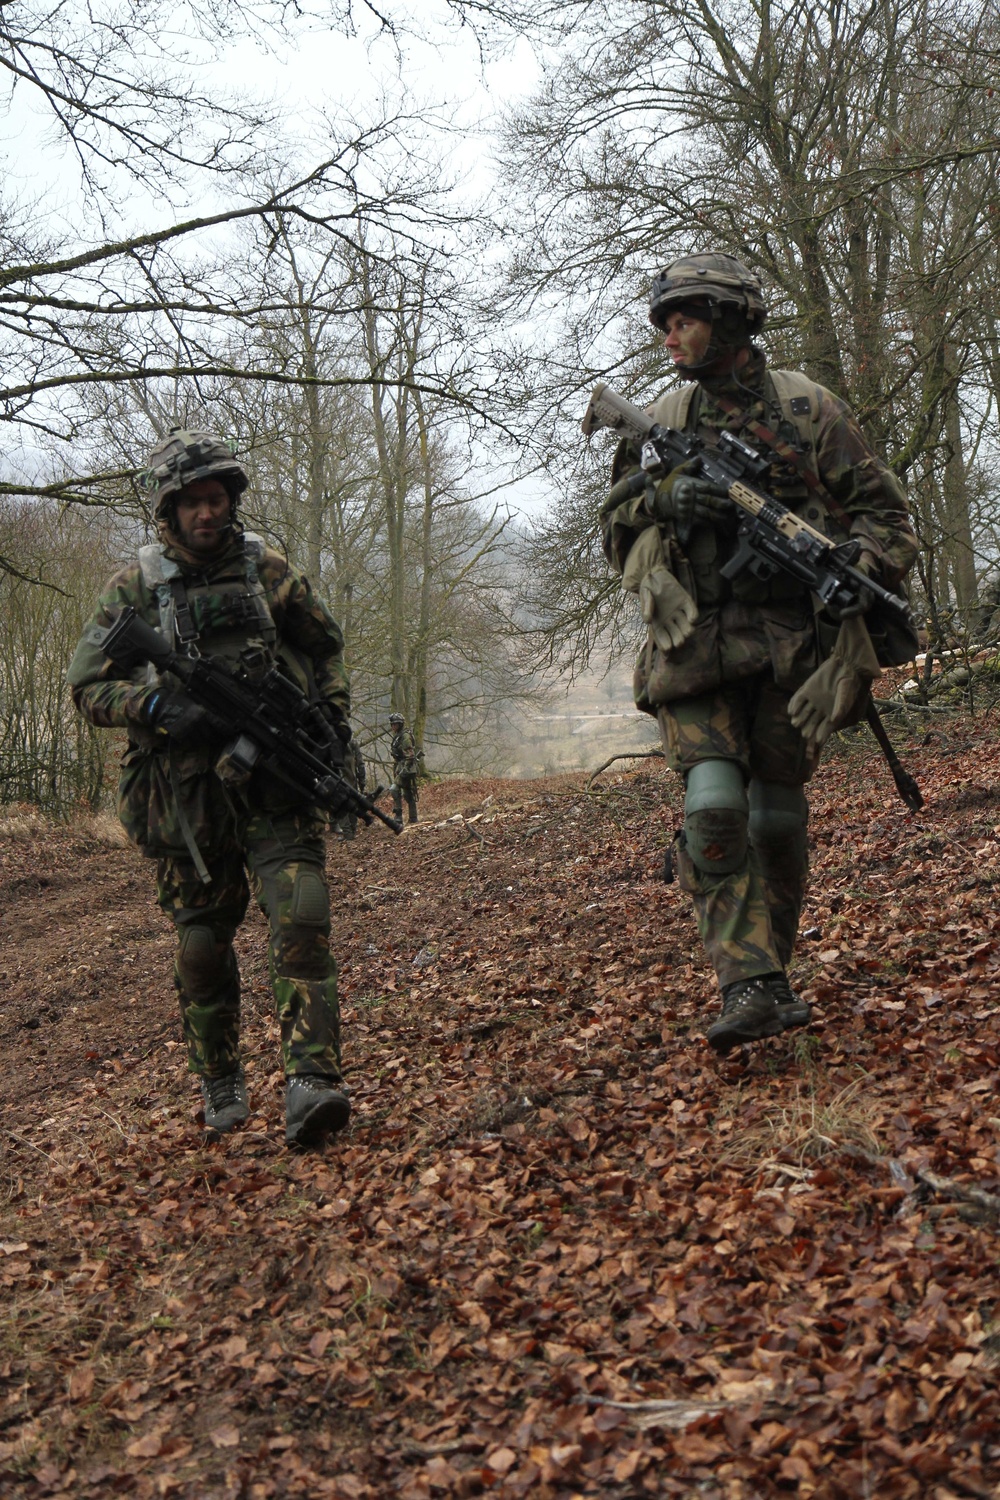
(404, 785)
(747, 920)
(284, 856)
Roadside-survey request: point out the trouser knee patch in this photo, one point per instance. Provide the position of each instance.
(198, 957)
(310, 902)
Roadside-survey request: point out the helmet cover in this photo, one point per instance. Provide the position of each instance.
(725, 283)
(182, 458)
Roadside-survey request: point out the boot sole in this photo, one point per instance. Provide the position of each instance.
(326, 1117)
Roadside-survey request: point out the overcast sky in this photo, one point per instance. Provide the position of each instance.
(305, 74)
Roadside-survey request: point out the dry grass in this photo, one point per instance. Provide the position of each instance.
(806, 1128)
(20, 824)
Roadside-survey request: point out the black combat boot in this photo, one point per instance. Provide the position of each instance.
(225, 1101)
(749, 1012)
(314, 1106)
(793, 1010)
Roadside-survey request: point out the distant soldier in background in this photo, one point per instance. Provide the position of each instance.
(405, 768)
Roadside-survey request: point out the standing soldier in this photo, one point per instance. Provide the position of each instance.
(210, 586)
(746, 676)
(405, 768)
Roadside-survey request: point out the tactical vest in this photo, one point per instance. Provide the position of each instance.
(800, 402)
(222, 615)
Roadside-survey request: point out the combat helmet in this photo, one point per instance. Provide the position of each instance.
(183, 457)
(397, 719)
(732, 291)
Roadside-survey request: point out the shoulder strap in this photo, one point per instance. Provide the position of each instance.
(672, 409)
(799, 398)
(158, 572)
(156, 567)
(253, 547)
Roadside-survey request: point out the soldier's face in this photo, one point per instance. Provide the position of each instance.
(686, 338)
(204, 516)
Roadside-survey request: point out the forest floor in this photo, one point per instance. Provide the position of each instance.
(562, 1249)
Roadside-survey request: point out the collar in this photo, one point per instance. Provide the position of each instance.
(745, 386)
(195, 562)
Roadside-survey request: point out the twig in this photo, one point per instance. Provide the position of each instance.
(987, 1203)
(467, 1444)
(675, 1414)
(116, 1123)
(625, 755)
(24, 1142)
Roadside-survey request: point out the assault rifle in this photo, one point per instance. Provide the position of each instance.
(771, 538)
(275, 725)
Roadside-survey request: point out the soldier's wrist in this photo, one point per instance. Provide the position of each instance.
(140, 707)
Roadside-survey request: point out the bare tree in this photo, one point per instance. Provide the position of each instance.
(48, 755)
(105, 305)
(848, 153)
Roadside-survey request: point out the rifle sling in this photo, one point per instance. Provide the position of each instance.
(187, 831)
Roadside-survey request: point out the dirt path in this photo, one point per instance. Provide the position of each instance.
(561, 1250)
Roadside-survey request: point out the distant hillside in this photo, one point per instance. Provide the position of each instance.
(594, 719)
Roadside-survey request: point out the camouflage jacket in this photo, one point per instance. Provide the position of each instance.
(403, 750)
(746, 626)
(157, 776)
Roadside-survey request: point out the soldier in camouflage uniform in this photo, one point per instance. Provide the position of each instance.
(211, 586)
(405, 768)
(735, 671)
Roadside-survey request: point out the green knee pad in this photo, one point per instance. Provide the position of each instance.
(778, 819)
(200, 965)
(716, 817)
(310, 901)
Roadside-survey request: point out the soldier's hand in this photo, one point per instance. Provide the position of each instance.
(868, 565)
(688, 501)
(179, 717)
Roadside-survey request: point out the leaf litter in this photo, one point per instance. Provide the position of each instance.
(561, 1250)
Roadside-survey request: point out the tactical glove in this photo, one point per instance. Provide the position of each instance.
(334, 715)
(835, 694)
(688, 501)
(176, 715)
(667, 608)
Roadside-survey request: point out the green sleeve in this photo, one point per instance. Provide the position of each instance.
(866, 488)
(304, 621)
(101, 694)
